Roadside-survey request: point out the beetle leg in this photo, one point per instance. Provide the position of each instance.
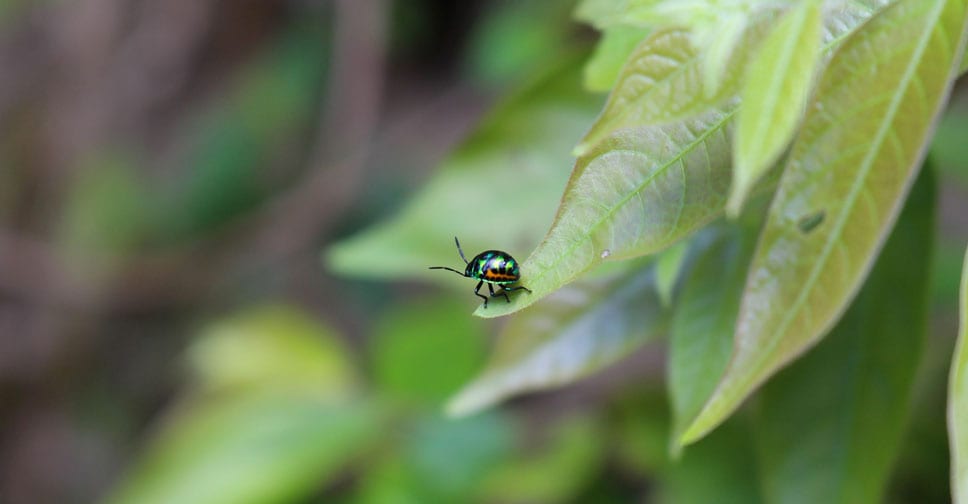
(503, 292)
(478, 294)
(518, 287)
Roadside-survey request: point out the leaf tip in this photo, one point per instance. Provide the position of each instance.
(739, 189)
(691, 435)
(469, 400)
(675, 448)
(499, 309)
(710, 416)
(484, 312)
(734, 206)
(581, 149)
(456, 408)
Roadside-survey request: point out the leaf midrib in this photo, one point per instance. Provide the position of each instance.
(621, 203)
(728, 115)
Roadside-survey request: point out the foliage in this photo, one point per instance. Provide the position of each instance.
(958, 400)
(827, 110)
(750, 219)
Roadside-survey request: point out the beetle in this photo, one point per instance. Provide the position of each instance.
(492, 267)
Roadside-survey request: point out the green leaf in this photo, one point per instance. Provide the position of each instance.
(270, 416)
(274, 349)
(862, 140)
(636, 193)
(717, 469)
(453, 458)
(701, 339)
(259, 449)
(508, 38)
(774, 94)
(958, 401)
(719, 43)
(964, 65)
(569, 458)
(694, 14)
(660, 82)
(574, 332)
(409, 336)
(667, 270)
(438, 460)
(639, 430)
(675, 175)
(613, 49)
(522, 147)
(829, 427)
(601, 13)
(663, 79)
(389, 479)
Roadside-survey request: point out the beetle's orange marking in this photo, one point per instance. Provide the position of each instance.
(494, 275)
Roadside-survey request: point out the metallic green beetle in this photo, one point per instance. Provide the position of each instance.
(492, 267)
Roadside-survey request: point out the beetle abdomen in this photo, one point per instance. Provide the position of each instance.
(498, 277)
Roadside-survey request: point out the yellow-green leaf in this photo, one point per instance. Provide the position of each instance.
(958, 401)
(615, 46)
(411, 334)
(774, 94)
(660, 82)
(574, 332)
(568, 459)
(261, 448)
(719, 41)
(636, 193)
(272, 348)
(641, 190)
(850, 396)
(863, 138)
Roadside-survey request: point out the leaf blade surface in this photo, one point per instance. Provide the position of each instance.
(862, 140)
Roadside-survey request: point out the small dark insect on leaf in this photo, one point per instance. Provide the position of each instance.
(810, 222)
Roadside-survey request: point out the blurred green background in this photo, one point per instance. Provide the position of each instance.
(170, 173)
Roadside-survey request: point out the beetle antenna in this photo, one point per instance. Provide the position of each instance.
(461, 252)
(448, 269)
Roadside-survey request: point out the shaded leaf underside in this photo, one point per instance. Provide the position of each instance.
(577, 330)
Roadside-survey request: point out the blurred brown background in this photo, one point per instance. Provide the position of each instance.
(161, 162)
